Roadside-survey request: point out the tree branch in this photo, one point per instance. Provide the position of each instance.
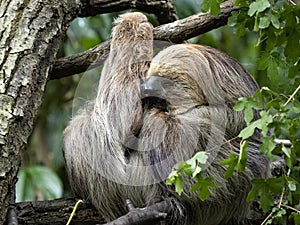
(175, 32)
(194, 25)
(58, 212)
(163, 9)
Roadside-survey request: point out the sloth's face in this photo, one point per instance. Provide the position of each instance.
(170, 93)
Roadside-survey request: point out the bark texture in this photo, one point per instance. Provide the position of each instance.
(56, 212)
(30, 36)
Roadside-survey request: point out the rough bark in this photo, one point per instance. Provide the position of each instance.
(163, 9)
(58, 212)
(30, 34)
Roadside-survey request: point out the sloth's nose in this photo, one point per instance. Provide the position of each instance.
(153, 87)
(153, 93)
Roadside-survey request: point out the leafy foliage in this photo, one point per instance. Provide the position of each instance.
(280, 118)
(192, 168)
(238, 162)
(279, 29)
(211, 5)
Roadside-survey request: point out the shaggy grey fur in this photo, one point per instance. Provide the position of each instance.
(123, 147)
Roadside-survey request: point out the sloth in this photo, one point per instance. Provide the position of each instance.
(151, 113)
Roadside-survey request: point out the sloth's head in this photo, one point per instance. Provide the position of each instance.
(186, 76)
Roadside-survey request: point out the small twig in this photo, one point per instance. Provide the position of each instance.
(267, 218)
(292, 2)
(283, 190)
(74, 210)
(291, 208)
(285, 142)
(281, 198)
(292, 96)
(225, 142)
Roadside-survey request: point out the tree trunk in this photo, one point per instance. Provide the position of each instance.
(31, 32)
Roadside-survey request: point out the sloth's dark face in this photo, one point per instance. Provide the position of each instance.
(168, 95)
(154, 93)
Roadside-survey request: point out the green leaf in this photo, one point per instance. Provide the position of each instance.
(261, 124)
(181, 166)
(231, 163)
(214, 8)
(292, 185)
(249, 130)
(195, 163)
(268, 145)
(212, 5)
(197, 170)
(264, 22)
(286, 151)
(172, 177)
(275, 21)
(240, 30)
(205, 5)
(262, 188)
(248, 114)
(201, 157)
(240, 104)
(296, 217)
(202, 186)
(179, 185)
(272, 70)
(275, 185)
(175, 178)
(258, 6)
(263, 61)
(232, 20)
(241, 164)
(265, 120)
(292, 44)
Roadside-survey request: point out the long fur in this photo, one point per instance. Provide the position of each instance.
(117, 148)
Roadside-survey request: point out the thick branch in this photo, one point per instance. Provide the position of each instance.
(175, 32)
(80, 62)
(194, 25)
(58, 212)
(163, 9)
